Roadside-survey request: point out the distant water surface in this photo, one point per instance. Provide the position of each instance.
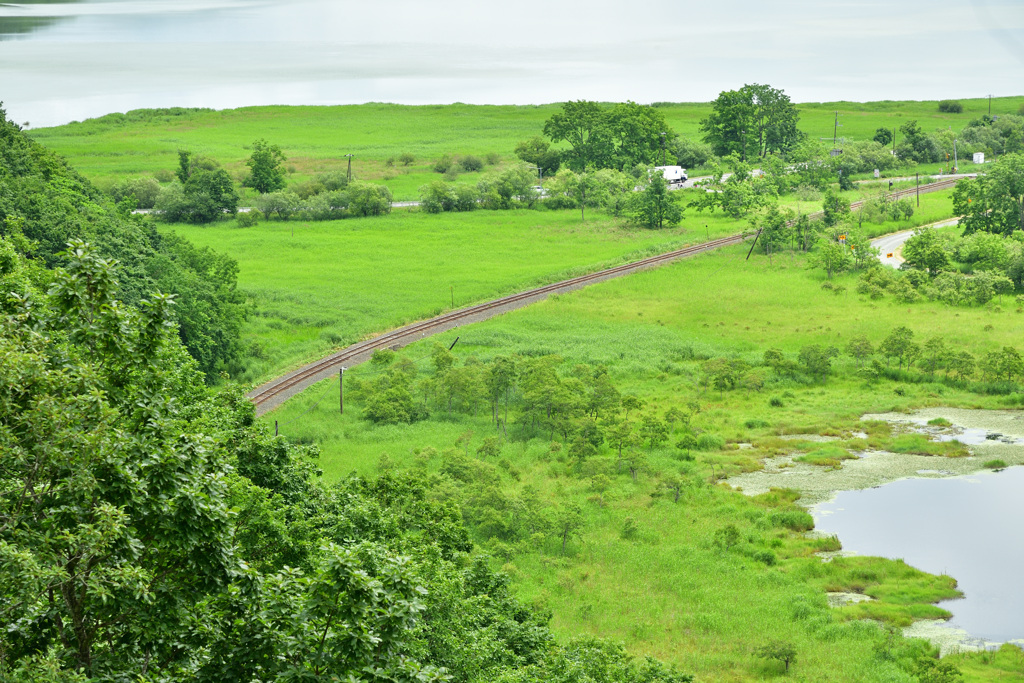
(63, 60)
(969, 527)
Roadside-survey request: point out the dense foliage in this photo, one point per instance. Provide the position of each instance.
(44, 204)
(151, 531)
(756, 120)
(621, 137)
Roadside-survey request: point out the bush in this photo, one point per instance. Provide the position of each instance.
(146, 191)
(248, 219)
(406, 159)
(366, 199)
(709, 442)
(493, 158)
(333, 180)
(950, 107)
(444, 164)
(283, 203)
(471, 164)
(691, 153)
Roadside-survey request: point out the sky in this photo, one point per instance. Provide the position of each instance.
(90, 57)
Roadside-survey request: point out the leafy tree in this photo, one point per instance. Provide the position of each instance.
(113, 516)
(832, 256)
(835, 207)
(367, 199)
(654, 206)
(266, 167)
(1005, 364)
(926, 250)
(690, 153)
(917, 146)
(860, 348)
(637, 132)
(817, 361)
(779, 650)
(993, 202)
(569, 523)
(900, 344)
(755, 120)
(653, 431)
(883, 136)
(537, 152)
(584, 125)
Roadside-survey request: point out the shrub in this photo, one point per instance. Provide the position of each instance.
(310, 188)
(366, 199)
(493, 158)
(283, 203)
(471, 164)
(950, 107)
(995, 464)
(248, 219)
(146, 191)
(333, 180)
(709, 442)
(164, 175)
(444, 164)
(406, 159)
(776, 402)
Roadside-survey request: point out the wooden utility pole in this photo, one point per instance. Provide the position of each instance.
(349, 166)
(341, 391)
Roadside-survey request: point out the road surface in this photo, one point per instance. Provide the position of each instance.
(890, 246)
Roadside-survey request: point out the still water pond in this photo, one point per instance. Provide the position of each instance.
(970, 527)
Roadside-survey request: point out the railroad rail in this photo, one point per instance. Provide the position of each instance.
(271, 394)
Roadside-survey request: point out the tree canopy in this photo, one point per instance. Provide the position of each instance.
(993, 202)
(44, 204)
(755, 120)
(266, 167)
(620, 137)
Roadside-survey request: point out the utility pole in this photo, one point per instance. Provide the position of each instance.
(894, 140)
(350, 166)
(744, 134)
(956, 164)
(990, 105)
(452, 288)
(341, 390)
(835, 130)
(662, 148)
(917, 178)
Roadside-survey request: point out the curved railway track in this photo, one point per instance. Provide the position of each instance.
(275, 392)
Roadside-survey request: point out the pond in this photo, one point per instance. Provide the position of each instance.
(942, 515)
(969, 527)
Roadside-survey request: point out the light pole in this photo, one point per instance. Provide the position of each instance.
(350, 166)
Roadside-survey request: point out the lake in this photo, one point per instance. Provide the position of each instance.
(970, 527)
(66, 60)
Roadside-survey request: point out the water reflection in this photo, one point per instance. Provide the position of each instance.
(968, 527)
(18, 20)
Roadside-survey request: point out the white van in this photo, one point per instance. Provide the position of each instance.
(675, 175)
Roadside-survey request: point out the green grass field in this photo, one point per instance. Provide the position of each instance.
(668, 589)
(323, 285)
(315, 138)
(319, 286)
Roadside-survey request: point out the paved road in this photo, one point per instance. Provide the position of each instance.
(891, 246)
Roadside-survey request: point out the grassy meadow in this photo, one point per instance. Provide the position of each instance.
(315, 139)
(652, 572)
(701, 581)
(318, 286)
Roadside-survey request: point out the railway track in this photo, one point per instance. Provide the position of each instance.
(275, 392)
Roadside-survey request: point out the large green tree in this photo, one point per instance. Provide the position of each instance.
(266, 167)
(755, 120)
(622, 137)
(993, 202)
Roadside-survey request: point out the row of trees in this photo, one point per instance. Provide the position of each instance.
(151, 530)
(813, 362)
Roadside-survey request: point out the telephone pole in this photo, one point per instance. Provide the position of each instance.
(350, 166)
(662, 148)
(341, 390)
